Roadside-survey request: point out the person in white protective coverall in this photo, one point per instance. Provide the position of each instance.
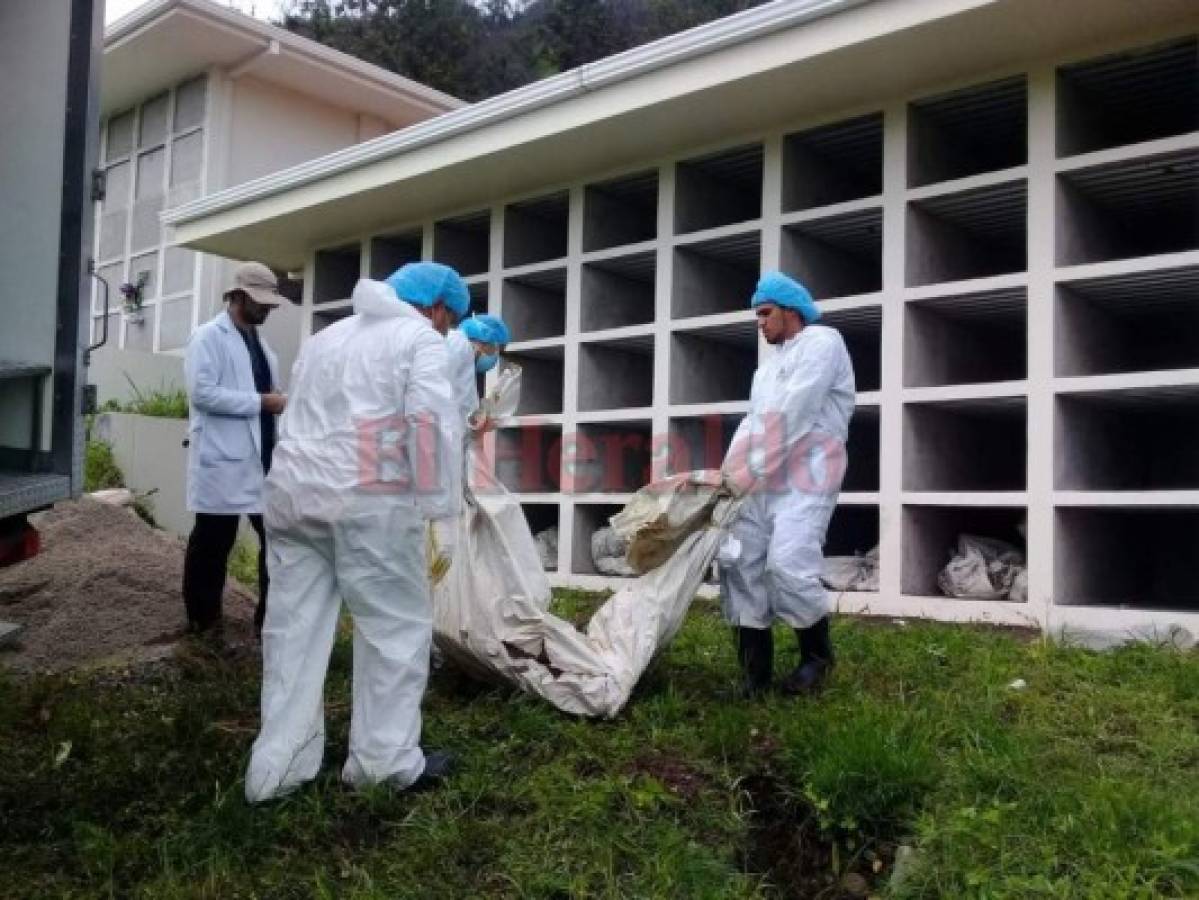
(368, 450)
(787, 460)
(487, 336)
(474, 349)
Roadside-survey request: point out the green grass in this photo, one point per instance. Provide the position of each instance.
(100, 469)
(1081, 785)
(163, 402)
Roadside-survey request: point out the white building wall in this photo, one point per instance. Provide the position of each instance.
(262, 128)
(272, 128)
(245, 128)
(154, 156)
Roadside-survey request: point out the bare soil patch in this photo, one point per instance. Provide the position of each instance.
(105, 590)
(801, 860)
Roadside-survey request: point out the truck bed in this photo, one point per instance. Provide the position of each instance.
(23, 491)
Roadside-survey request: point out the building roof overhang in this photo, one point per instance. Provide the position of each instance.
(788, 61)
(167, 41)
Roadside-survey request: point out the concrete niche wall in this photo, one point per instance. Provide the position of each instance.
(616, 374)
(713, 365)
(1013, 262)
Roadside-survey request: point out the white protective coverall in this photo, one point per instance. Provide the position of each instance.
(792, 441)
(367, 451)
(460, 369)
(463, 381)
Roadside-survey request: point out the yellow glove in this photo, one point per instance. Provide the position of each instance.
(439, 551)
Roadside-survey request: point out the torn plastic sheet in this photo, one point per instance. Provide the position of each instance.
(490, 613)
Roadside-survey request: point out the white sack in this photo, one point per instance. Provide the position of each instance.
(851, 573)
(1019, 591)
(658, 518)
(490, 613)
(982, 569)
(547, 547)
(608, 552)
(504, 397)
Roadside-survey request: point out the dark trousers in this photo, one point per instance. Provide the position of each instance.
(204, 566)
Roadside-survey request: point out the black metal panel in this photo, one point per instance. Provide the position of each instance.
(79, 160)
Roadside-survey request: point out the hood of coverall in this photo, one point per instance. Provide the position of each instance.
(377, 299)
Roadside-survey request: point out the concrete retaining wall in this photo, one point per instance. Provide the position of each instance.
(150, 452)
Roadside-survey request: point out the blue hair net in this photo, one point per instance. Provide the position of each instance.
(486, 330)
(425, 283)
(783, 290)
(499, 331)
(476, 330)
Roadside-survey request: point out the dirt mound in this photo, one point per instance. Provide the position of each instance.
(105, 588)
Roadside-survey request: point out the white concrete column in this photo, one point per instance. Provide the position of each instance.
(495, 258)
(306, 296)
(1042, 117)
(574, 264)
(426, 240)
(895, 162)
(495, 283)
(570, 374)
(663, 286)
(772, 200)
(772, 206)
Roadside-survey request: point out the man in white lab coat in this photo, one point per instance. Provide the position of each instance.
(233, 394)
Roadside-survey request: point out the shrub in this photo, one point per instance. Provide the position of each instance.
(163, 402)
(100, 469)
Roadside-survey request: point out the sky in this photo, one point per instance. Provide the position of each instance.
(263, 9)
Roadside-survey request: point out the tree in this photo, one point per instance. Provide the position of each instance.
(476, 50)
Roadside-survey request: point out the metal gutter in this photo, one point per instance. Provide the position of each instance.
(135, 19)
(631, 64)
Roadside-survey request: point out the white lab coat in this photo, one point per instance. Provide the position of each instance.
(368, 450)
(224, 461)
(792, 443)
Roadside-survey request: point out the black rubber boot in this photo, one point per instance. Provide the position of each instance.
(438, 766)
(815, 660)
(755, 652)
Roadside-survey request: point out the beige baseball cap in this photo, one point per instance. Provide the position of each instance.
(259, 282)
